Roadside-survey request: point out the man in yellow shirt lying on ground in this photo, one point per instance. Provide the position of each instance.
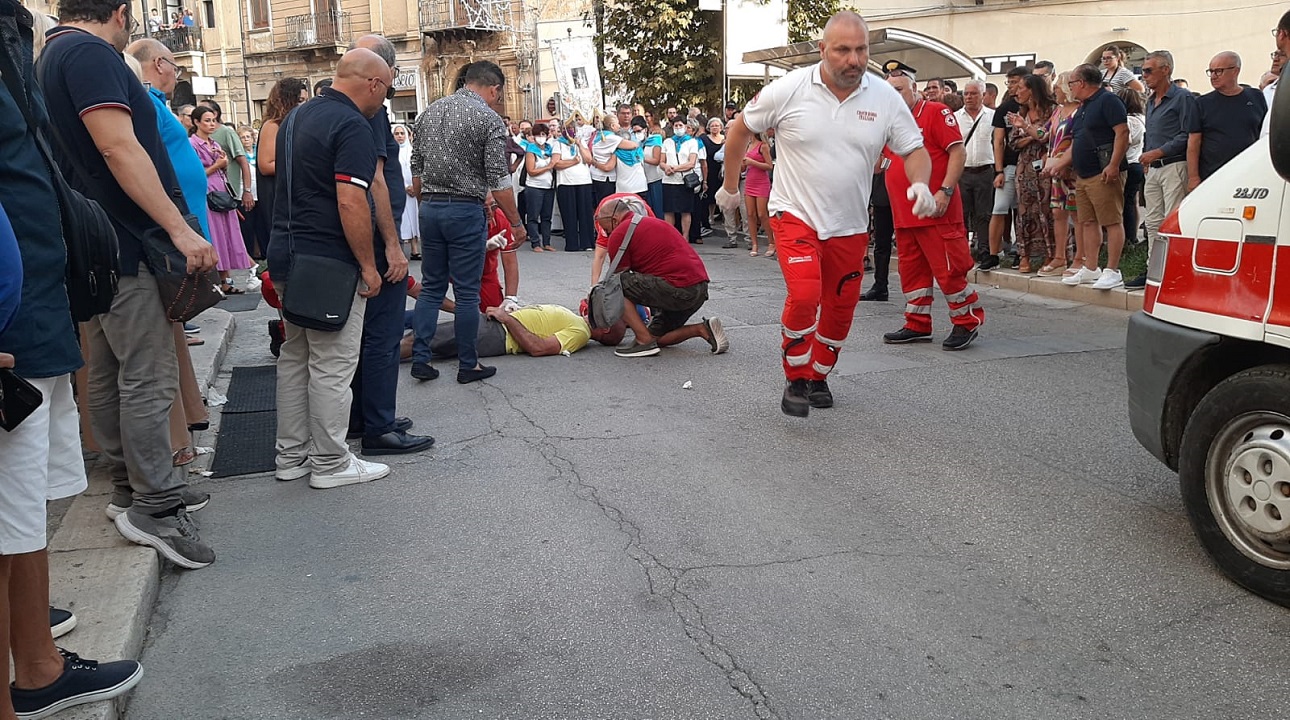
(535, 330)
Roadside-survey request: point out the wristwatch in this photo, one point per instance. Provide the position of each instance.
(949, 191)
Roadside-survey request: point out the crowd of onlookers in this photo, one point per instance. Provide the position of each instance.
(1026, 188)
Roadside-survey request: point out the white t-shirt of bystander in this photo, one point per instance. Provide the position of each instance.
(576, 174)
(672, 155)
(603, 145)
(544, 156)
(825, 148)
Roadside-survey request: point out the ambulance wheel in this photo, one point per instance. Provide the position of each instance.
(1234, 472)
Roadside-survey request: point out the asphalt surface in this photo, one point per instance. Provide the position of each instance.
(965, 535)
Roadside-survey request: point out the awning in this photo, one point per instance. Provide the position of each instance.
(929, 56)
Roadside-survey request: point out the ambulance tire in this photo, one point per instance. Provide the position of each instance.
(1246, 417)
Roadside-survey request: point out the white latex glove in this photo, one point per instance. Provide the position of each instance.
(924, 203)
(496, 242)
(730, 202)
(511, 304)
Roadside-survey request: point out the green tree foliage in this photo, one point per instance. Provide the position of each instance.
(806, 18)
(665, 52)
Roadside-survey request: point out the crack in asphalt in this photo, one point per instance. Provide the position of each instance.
(662, 581)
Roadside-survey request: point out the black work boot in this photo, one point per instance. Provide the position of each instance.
(820, 395)
(796, 400)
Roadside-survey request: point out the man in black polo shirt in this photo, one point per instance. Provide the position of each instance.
(376, 382)
(111, 149)
(322, 208)
(1100, 142)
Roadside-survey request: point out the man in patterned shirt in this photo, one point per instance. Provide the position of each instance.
(458, 156)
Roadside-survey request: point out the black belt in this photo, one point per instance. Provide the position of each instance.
(444, 197)
(978, 168)
(1167, 161)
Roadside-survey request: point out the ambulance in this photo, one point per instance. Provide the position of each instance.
(1208, 361)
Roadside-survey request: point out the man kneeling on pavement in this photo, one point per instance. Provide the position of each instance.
(661, 271)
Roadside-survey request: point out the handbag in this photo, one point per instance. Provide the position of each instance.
(1104, 153)
(605, 301)
(184, 295)
(93, 251)
(693, 181)
(18, 399)
(320, 290)
(222, 201)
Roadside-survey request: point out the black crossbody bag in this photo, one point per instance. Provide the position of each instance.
(320, 290)
(93, 251)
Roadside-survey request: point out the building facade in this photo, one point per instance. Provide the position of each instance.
(235, 50)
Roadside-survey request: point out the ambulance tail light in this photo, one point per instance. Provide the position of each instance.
(1160, 250)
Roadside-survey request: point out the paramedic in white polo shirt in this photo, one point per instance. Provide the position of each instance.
(831, 121)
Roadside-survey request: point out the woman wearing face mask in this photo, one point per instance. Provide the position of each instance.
(631, 162)
(652, 147)
(540, 194)
(410, 223)
(680, 156)
(573, 192)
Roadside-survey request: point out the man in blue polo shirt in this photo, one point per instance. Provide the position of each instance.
(1101, 141)
(40, 459)
(327, 160)
(376, 382)
(109, 146)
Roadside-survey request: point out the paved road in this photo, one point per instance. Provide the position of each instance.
(966, 535)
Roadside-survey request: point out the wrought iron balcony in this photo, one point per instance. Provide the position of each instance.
(179, 40)
(480, 15)
(325, 29)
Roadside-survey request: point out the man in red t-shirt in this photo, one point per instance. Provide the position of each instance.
(935, 246)
(660, 271)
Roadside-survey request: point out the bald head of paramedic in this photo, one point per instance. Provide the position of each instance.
(831, 122)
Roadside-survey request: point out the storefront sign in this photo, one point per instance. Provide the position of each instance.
(1000, 64)
(406, 79)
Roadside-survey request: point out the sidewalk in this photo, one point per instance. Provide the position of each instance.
(110, 583)
(1052, 287)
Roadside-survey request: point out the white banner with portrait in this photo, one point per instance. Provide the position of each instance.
(578, 75)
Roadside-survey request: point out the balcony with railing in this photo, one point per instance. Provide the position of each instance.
(179, 40)
(477, 15)
(319, 30)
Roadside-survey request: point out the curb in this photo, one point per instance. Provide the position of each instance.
(110, 583)
(1119, 298)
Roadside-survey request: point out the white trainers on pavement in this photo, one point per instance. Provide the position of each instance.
(1110, 278)
(359, 471)
(1083, 276)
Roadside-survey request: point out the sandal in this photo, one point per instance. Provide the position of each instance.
(231, 290)
(182, 457)
(770, 251)
(194, 341)
(752, 253)
(1051, 270)
(537, 248)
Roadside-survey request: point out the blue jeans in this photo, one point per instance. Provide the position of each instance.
(452, 248)
(376, 383)
(578, 215)
(540, 203)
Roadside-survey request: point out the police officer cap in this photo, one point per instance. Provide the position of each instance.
(892, 66)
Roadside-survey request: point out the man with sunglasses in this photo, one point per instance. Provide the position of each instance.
(1164, 146)
(1227, 120)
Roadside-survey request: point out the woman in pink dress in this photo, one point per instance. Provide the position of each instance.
(226, 233)
(757, 165)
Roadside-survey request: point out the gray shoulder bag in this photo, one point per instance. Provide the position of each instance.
(605, 302)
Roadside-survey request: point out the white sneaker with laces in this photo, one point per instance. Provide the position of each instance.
(1111, 278)
(358, 471)
(1083, 276)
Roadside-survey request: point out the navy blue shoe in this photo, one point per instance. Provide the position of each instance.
(82, 681)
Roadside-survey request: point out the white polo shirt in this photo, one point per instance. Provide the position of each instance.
(826, 150)
(980, 149)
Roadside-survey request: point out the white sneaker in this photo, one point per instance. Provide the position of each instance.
(1110, 278)
(1083, 276)
(359, 471)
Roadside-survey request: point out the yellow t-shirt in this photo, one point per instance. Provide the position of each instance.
(547, 320)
